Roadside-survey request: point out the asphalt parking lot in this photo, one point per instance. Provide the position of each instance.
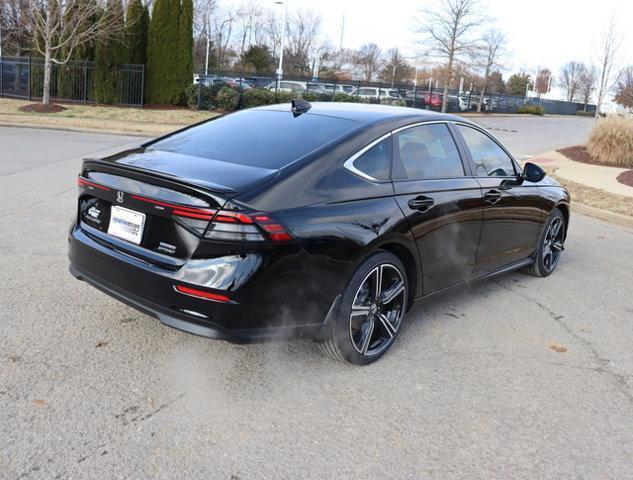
(515, 377)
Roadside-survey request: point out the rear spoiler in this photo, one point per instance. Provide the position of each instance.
(205, 189)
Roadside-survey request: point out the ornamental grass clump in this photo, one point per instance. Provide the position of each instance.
(611, 141)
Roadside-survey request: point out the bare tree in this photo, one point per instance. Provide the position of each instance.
(270, 32)
(488, 55)
(15, 36)
(447, 27)
(609, 47)
(587, 85)
(62, 26)
(302, 31)
(569, 78)
(624, 93)
(222, 34)
(367, 61)
(249, 19)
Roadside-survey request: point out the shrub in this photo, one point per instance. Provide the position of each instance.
(582, 113)
(257, 97)
(531, 109)
(345, 97)
(312, 96)
(284, 97)
(227, 98)
(611, 141)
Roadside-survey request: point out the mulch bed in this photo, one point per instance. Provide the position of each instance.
(626, 178)
(41, 108)
(579, 153)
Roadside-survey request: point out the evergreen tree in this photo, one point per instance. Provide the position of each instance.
(109, 54)
(517, 83)
(137, 24)
(163, 77)
(185, 47)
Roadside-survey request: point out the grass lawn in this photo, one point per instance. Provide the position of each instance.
(136, 121)
(595, 197)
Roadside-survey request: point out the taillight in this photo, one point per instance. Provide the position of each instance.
(228, 226)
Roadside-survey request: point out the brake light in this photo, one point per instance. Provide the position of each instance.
(228, 226)
(194, 292)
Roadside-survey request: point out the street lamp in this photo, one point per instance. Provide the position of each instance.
(280, 68)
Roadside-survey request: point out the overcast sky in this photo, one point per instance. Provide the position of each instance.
(544, 33)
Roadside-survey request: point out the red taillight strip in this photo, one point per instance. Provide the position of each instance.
(180, 208)
(180, 213)
(232, 217)
(201, 294)
(82, 182)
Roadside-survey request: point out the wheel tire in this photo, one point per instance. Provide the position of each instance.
(348, 329)
(540, 267)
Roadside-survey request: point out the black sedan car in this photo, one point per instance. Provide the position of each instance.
(326, 220)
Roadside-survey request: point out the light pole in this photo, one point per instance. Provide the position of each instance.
(280, 68)
(206, 62)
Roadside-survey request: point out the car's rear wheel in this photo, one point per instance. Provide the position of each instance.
(371, 311)
(551, 245)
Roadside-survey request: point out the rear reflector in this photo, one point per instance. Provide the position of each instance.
(202, 294)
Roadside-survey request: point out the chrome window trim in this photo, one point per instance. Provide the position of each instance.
(349, 163)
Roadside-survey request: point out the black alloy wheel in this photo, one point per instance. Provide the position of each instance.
(371, 311)
(551, 246)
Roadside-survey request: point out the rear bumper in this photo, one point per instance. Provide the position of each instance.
(150, 290)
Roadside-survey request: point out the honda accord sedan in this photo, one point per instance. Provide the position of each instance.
(324, 220)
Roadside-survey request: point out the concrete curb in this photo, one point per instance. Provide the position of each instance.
(75, 129)
(606, 215)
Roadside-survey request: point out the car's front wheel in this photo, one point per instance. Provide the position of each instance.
(551, 245)
(371, 311)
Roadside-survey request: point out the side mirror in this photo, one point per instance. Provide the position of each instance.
(533, 173)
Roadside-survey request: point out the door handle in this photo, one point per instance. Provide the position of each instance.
(492, 196)
(421, 203)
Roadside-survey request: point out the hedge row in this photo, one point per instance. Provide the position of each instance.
(225, 97)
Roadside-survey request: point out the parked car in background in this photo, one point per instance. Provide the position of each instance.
(330, 88)
(288, 86)
(258, 82)
(377, 93)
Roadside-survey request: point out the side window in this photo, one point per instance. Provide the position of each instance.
(490, 159)
(376, 161)
(427, 151)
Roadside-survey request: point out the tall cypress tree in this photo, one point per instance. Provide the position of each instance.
(136, 26)
(163, 78)
(109, 54)
(185, 47)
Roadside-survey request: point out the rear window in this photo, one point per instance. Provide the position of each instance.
(257, 138)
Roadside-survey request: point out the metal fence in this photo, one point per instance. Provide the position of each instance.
(429, 96)
(23, 77)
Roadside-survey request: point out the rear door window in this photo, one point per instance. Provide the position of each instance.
(427, 151)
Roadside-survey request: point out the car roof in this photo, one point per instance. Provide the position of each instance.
(370, 113)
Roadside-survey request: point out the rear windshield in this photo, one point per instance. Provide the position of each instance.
(258, 138)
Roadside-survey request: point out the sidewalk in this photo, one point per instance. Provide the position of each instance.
(596, 176)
